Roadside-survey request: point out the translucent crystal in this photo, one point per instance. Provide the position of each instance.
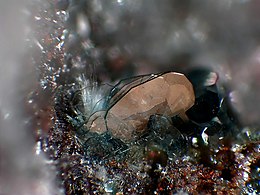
(169, 94)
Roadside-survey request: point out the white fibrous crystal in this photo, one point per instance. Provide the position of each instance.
(91, 94)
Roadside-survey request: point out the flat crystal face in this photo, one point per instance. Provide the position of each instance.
(125, 85)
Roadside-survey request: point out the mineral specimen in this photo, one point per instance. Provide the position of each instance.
(210, 153)
(168, 94)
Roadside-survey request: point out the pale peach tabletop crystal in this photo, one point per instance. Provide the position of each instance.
(168, 94)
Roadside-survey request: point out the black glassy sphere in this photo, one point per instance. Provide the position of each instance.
(207, 99)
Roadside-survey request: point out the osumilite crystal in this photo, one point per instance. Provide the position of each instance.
(168, 94)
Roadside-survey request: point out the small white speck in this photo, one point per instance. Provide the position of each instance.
(37, 18)
(120, 2)
(38, 44)
(143, 102)
(7, 115)
(38, 148)
(245, 176)
(204, 136)
(195, 142)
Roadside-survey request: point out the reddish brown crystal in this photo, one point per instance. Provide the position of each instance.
(172, 90)
(169, 94)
